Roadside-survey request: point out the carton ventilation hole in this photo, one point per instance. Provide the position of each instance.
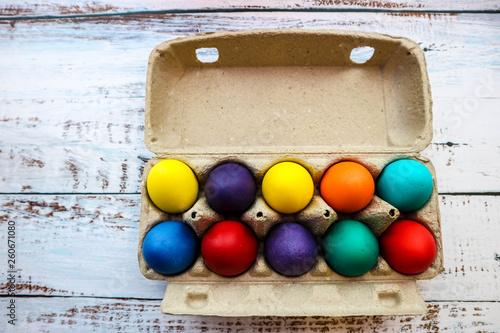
(259, 214)
(360, 55)
(326, 213)
(207, 55)
(193, 215)
(392, 212)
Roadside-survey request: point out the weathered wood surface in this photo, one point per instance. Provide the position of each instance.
(120, 315)
(82, 245)
(29, 8)
(74, 111)
(72, 121)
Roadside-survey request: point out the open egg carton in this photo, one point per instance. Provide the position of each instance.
(267, 96)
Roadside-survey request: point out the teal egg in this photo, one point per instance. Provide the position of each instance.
(350, 248)
(405, 184)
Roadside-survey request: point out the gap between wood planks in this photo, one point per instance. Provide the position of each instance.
(248, 10)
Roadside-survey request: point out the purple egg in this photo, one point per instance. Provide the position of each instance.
(291, 249)
(230, 189)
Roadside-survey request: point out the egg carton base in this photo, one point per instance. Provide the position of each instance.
(378, 215)
(293, 299)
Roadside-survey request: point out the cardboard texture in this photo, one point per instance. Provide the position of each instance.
(289, 95)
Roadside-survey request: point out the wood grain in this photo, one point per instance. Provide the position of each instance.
(83, 245)
(11, 9)
(93, 314)
(66, 243)
(71, 121)
(75, 111)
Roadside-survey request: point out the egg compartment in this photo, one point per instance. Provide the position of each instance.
(317, 217)
(288, 95)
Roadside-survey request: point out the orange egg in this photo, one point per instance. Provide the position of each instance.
(347, 187)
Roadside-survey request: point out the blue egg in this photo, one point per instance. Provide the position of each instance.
(170, 247)
(405, 184)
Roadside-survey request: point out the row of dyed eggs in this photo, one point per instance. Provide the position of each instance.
(349, 247)
(287, 187)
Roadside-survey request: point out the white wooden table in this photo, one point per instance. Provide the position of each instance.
(72, 81)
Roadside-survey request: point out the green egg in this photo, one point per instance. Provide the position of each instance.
(350, 248)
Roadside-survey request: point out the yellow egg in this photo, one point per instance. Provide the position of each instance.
(287, 187)
(172, 186)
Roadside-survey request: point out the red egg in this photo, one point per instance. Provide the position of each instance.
(408, 247)
(229, 248)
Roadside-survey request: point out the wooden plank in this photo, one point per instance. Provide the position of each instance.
(74, 111)
(11, 9)
(81, 52)
(90, 168)
(98, 148)
(91, 314)
(75, 245)
(466, 168)
(81, 238)
(466, 120)
(467, 72)
(92, 146)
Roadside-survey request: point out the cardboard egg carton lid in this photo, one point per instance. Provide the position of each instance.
(290, 90)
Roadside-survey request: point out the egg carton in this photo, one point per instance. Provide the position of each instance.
(267, 96)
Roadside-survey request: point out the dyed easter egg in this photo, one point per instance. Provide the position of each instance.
(405, 184)
(287, 187)
(408, 247)
(350, 248)
(347, 187)
(230, 189)
(290, 249)
(170, 247)
(229, 248)
(172, 186)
